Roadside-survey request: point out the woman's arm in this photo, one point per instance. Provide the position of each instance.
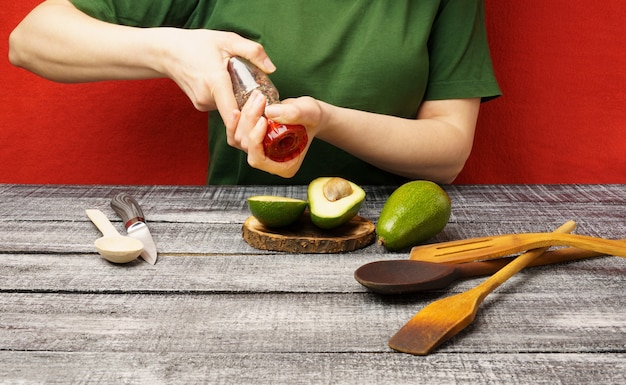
(61, 43)
(433, 146)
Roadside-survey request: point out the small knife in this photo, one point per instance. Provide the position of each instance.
(129, 210)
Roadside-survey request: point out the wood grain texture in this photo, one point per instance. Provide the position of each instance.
(308, 368)
(216, 310)
(304, 237)
(296, 322)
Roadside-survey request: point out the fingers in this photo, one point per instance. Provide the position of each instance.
(304, 110)
(199, 66)
(246, 127)
(248, 49)
(251, 115)
(257, 159)
(253, 52)
(256, 151)
(252, 140)
(222, 94)
(231, 127)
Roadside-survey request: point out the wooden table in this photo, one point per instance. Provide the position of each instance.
(215, 310)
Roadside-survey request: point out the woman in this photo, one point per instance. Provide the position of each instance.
(388, 91)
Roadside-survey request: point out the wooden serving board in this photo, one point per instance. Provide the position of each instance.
(304, 237)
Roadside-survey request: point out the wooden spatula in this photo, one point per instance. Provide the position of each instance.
(485, 248)
(442, 319)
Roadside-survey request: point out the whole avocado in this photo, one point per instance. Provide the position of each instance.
(413, 213)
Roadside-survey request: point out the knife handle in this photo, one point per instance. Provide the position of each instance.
(127, 208)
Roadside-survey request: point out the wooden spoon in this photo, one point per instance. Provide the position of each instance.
(442, 319)
(112, 246)
(496, 246)
(404, 276)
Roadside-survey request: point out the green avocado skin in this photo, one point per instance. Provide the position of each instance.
(330, 223)
(413, 213)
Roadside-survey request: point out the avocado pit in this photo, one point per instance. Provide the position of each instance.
(336, 188)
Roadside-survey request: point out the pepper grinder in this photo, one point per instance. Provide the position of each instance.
(282, 142)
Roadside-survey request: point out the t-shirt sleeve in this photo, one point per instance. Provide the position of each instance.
(139, 13)
(460, 61)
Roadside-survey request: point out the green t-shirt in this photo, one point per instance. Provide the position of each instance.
(379, 56)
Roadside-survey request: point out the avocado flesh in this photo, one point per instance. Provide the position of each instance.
(328, 214)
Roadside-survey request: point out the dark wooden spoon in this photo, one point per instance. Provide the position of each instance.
(410, 276)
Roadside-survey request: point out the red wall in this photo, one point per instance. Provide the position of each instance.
(132, 132)
(562, 119)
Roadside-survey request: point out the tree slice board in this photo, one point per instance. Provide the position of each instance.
(304, 237)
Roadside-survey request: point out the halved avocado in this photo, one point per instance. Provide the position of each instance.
(276, 211)
(333, 201)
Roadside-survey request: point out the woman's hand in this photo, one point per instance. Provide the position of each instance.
(197, 60)
(249, 127)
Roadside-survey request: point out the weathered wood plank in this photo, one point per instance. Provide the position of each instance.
(245, 273)
(485, 204)
(77, 236)
(266, 273)
(297, 322)
(308, 368)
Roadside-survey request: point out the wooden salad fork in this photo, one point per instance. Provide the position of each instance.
(485, 248)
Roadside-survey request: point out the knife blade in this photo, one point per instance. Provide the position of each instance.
(131, 213)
